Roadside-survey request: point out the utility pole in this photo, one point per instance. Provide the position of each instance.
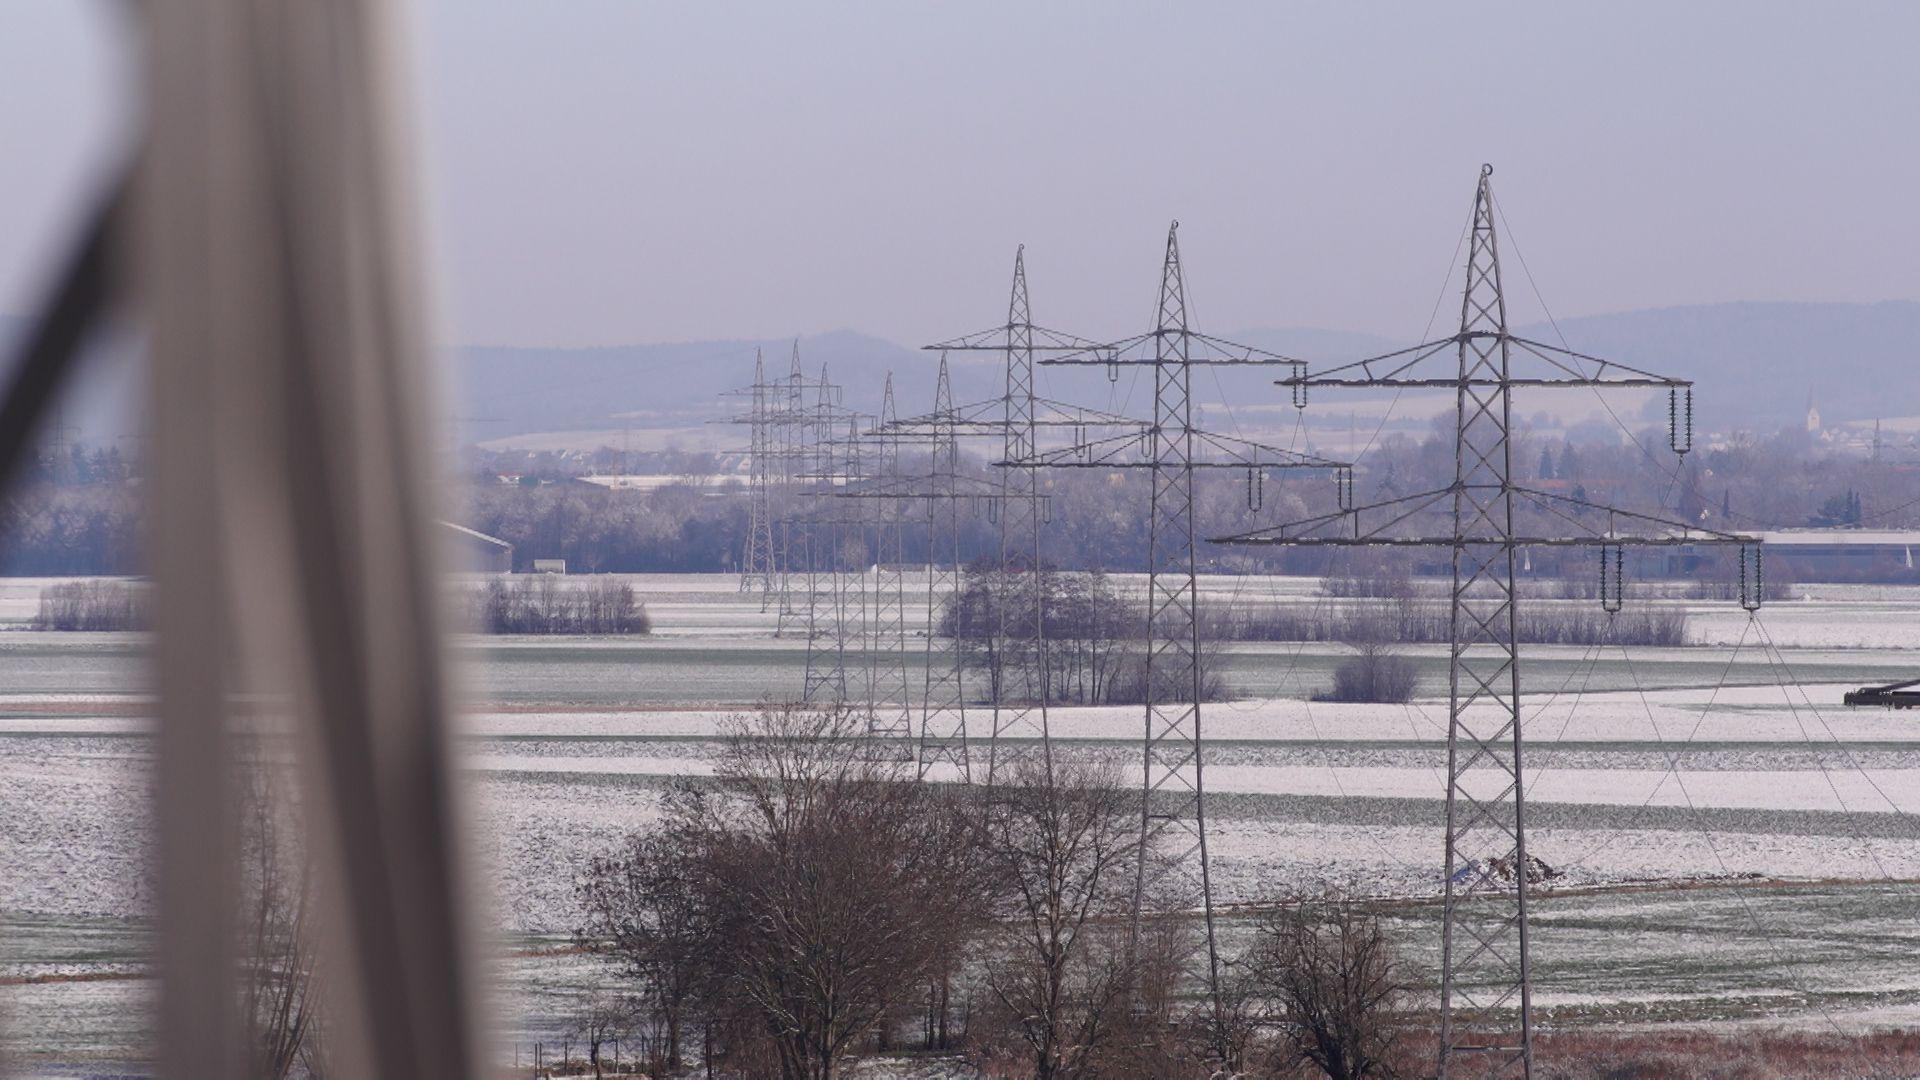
(1484, 519)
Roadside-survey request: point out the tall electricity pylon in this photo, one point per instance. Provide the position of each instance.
(1484, 518)
(943, 703)
(942, 735)
(825, 462)
(1020, 711)
(945, 490)
(1172, 873)
(1019, 704)
(758, 569)
(889, 694)
(782, 446)
(792, 424)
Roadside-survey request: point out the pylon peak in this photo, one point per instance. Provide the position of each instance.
(1019, 314)
(1173, 288)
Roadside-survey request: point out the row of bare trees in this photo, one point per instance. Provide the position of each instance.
(1081, 639)
(551, 604)
(814, 904)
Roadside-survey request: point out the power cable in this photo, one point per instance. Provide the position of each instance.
(1693, 811)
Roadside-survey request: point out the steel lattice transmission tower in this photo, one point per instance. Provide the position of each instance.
(833, 608)
(780, 444)
(945, 490)
(1019, 713)
(889, 694)
(852, 511)
(943, 721)
(1173, 873)
(1485, 519)
(943, 702)
(792, 423)
(758, 569)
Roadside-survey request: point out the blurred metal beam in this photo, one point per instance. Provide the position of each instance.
(80, 300)
(293, 531)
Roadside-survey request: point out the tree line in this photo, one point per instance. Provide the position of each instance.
(84, 516)
(1078, 642)
(1097, 520)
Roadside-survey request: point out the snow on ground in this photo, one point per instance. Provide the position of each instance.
(1733, 714)
(1811, 624)
(73, 833)
(1837, 788)
(1760, 714)
(569, 743)
(1624, 786)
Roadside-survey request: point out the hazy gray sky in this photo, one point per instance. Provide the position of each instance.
(603, 171)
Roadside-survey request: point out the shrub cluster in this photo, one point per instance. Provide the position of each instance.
(1373, 675)
(93, 605)
(1414, 622)
(549, 604)
(1090, 647)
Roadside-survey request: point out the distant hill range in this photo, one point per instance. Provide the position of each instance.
(1757, 365)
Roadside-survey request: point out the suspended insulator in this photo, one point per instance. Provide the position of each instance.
(1299, 385)
(1046, 510)
(1113, 371)
(1680, 419)
(1613, 574)
(1256, 487)
(1753, 587)
(1343, 487)
(1146, 446)
(993, 510)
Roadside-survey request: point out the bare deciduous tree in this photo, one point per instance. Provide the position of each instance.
(845, 883)
(1092, 640)
(602, 1018)
(1062, 847)
(647, 911)
(1171, 1031)
(279, 1000)
(1335, 977)
(807, 896)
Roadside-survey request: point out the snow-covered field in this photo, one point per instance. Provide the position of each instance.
(1718, 763)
